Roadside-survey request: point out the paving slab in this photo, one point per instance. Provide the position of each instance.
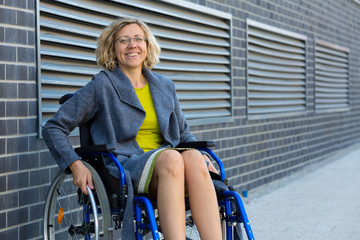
(323, 202)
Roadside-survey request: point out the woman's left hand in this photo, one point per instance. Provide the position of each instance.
(210, 165)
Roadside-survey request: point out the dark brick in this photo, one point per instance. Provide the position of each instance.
(2, 183)
(9, 200)
(29, 231)
(8, 164)
(17, 109)
(26, 90)
(25, 19)
(28, 196)
(18, 4)
(18, 180)
(7, 53)
(2, 221)
(26, 54)
(9, 234)
(8, 127)
(2, 71)
(14, 35)
(31, 4)
(8, 90)
(17, 216)
(17, 145)
(33, 105)
(27, 126)
(31, 38)
(2, 34)
(16, 72)
(8, 16)
(39, 177)
(36, 212)
(2, 146)
(32, 73)
(28, 161)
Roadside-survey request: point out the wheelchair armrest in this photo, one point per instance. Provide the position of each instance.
(64, 98)
(197, 144)
(95, 148)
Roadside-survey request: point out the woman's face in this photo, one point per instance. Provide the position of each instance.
(130, 54)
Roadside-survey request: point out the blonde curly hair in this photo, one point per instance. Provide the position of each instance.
(105, 54)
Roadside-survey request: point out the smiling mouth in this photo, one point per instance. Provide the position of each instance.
(132, 54)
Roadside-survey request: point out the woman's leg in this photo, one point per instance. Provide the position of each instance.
(202, 196)
(167, 184)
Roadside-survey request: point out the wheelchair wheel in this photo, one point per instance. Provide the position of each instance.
(68, 214)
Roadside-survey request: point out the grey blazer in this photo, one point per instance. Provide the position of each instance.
(109, 101)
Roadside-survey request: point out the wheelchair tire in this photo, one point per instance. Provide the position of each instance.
(64, 210)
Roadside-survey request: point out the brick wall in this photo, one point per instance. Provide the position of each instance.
(255, 152)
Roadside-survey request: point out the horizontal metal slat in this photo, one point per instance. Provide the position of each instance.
(198, 86)
(331, 63)
(177, 10)
(331, 80)
(330, 69)
(194, 105)
(192, 67)
(331, 90)
(185, 47)
(267, 103)
(275, 68)
(331, 85)
(332, 74)
(272, 53)
(274, 81)
(276, 46)
(265, 88)
(209, 95)
(275, 95)
(196, 76)
(263, 33)
(275, 110)
(329, 51)
(331, 58)
(260, 58)
(275, 74)
(333, 95)
(202, 114)
(183, 57)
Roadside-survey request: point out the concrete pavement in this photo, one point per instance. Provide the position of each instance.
(322, 203)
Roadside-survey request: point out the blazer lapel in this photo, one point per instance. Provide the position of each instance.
(124, 88)
(162, 98)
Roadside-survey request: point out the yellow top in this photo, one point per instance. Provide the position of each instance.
(149, 136)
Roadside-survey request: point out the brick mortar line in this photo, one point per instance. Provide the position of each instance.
(278, 155)
(17, 8)
(278, 163)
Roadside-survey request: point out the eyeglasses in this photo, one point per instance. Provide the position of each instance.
(126, 40)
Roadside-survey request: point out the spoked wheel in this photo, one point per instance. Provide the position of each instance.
(192, 232)
(69, 214)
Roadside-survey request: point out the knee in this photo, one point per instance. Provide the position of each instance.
(195, 162)
(170, 163)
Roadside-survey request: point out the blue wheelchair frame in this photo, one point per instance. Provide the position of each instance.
(140, 201)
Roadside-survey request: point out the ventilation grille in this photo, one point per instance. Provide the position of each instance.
(195, 44)
(276, 71)
(331, 77)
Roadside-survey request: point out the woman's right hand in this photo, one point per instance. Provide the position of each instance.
(81, 176)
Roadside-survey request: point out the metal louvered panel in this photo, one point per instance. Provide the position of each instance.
(331, 77)
(276, 71)
(195, 43)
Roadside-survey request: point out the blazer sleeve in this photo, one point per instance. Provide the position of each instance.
(80, 108)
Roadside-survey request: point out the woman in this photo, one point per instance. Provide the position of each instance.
(138, 111)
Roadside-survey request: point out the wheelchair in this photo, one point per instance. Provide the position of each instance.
(69, 214)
